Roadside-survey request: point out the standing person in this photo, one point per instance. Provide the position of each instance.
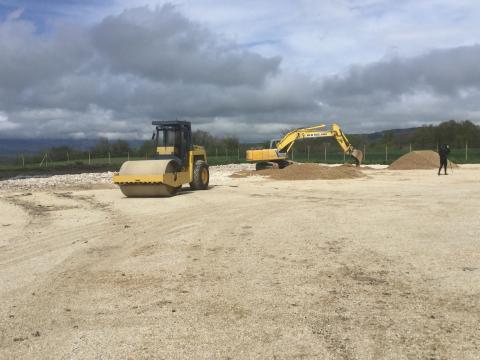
(443, 152)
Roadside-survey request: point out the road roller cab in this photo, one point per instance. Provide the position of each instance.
(176, 162)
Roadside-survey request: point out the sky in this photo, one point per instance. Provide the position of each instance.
(250, 69)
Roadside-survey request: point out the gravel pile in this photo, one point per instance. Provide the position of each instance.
(40, 182)
(306, 172)
(418, 160)
(219, 175)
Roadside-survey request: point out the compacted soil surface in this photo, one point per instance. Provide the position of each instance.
(385, 265)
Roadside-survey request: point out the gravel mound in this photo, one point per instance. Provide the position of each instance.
(219, 175)
(42, 182)
(305, 172)
(418, 160)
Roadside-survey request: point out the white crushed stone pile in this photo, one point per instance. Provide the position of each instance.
(39, 182)
(218, 175)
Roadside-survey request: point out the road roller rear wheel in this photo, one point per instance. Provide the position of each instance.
(201, 176)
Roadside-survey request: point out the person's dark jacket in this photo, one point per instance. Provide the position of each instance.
(444, 151)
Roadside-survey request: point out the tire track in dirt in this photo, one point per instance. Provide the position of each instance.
(385, 295)
(259, 274)
(36, 212)
(77, 274)
(47, 289)
(33, 245)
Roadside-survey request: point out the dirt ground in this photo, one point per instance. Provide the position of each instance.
(385, 266)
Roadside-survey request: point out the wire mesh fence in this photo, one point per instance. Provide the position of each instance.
(324, 154)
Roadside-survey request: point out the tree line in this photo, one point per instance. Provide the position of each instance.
(455, 133)
(122, 148)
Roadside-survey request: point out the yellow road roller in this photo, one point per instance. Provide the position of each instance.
(176, 162)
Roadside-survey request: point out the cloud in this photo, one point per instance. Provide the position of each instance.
(444, 72)
(114, 76)
(14, 15)
(163, 45)
(401, 92)
(29, 59)
(5, 124)
(140, 65)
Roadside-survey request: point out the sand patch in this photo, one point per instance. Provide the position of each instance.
(418, 160)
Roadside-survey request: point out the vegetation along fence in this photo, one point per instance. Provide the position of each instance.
(324, 154)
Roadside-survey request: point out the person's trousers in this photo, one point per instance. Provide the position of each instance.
(443, 163)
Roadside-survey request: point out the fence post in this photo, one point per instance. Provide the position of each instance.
(216, 154)
(23, 161)
(238, 154)
(344, 157)
(292, 154)
(325, 152)
(109, 157)
(386, 152)
(308, 152)
(226, 154)
(128, 155)
(364, 152)
(410, 147)
(466, 150)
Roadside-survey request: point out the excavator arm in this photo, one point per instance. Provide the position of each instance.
(285, 144)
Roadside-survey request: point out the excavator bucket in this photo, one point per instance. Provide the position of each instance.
(148, 178)
(357, 156)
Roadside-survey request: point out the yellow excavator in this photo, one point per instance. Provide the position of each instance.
(277, 154)
(176, 162)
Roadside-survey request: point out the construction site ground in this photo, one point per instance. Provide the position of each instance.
(383, 266)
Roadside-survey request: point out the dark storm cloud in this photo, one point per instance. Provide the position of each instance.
(139, 65)
(434, 87)
(27, 59)
(444, 72)
(163, 45)
(113, 78)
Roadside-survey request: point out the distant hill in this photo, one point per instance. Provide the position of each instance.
(11, 147)
(395, 132)
(455, 133)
